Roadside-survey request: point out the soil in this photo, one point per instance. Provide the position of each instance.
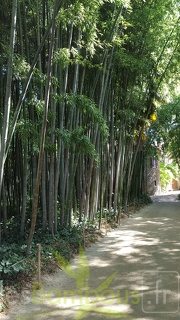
(134, 273)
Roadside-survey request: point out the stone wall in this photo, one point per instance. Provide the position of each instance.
(152, 177)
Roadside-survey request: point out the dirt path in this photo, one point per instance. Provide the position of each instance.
(144, 251)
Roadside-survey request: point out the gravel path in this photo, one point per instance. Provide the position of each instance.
(133, 273)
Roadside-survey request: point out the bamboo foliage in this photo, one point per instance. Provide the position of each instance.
(79, 94)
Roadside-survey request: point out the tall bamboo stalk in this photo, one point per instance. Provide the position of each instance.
(7, 103)
(43, 133)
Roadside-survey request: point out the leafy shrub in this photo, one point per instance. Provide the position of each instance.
(12, 260)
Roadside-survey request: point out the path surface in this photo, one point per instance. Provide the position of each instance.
(145, 253)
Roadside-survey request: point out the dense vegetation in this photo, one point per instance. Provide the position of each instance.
(165, 133)
(81, 83)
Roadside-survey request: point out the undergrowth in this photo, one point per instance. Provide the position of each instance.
(13, 259)
(17, 269)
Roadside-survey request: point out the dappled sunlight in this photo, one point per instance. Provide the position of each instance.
(138, 258)
(155, 222)
(99, 262)
(170, 251)
(167, 197)
(126, 251)
(67, 302)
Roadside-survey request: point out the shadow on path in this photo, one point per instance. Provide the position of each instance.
(167, 197)
(144, 253)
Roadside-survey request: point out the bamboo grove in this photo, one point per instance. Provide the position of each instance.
(79, 85)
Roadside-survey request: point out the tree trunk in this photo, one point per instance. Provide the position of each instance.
(8, 93)
(43, 133)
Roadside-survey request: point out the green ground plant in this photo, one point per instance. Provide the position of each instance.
(16, 266)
